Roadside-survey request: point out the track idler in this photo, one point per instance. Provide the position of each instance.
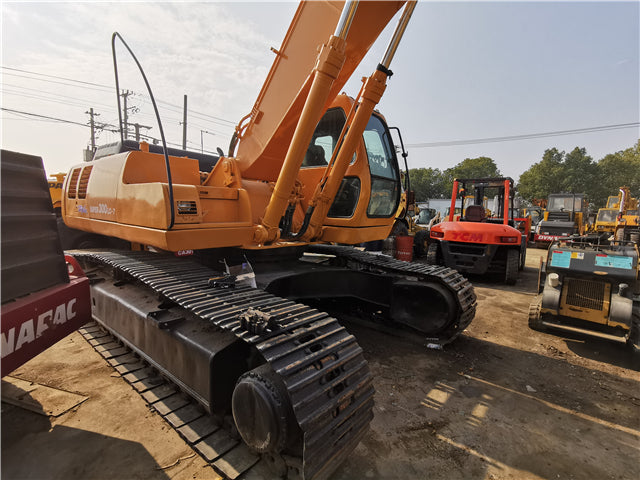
(263, 413)
(426, 307)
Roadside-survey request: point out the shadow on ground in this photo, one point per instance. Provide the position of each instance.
(69, 452)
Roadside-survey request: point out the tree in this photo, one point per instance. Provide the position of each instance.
(481, 167)
(580, 173)
(577, 172)
(544, 177)
(619, 169)
(433, 183)
(427, 183)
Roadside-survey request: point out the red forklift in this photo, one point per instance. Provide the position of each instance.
(480, 242)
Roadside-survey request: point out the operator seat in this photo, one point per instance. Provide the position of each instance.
(474, 213)
(314, 157)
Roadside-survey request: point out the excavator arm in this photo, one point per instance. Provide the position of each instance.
(265, 135)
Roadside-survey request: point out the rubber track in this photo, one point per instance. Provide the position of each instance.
(319, 362)
(447, 277)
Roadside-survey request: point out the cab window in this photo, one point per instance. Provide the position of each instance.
(383, 166)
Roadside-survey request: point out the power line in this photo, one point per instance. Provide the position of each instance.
(53, 81)
(44, 92)
(81, 83)
(525, 136)
(61, 120)
(69, 103)
(230, 122)
(54, 76)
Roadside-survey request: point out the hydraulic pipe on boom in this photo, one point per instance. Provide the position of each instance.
(372, 92)
(330, 61)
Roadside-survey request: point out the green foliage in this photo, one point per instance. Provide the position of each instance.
(543, 177)
(481, 167)
(473, 168)
(558, 171)
(428, 183)
(620, 169)
(433, 183)
(577, 172)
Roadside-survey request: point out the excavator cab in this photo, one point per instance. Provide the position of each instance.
(374, 158)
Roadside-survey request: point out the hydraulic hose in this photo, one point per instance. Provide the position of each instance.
(155, 108)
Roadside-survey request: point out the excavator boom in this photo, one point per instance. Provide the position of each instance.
(265, 138)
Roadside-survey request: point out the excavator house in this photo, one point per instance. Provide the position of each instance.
(222, 249)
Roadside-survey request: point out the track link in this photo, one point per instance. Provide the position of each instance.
(449, 278)
(319, 362)
(223, 451)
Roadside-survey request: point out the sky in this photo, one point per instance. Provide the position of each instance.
(464, 71)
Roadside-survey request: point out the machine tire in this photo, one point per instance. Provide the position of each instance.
(523, 258)
(420, 243)
(535, 315)
(512, 266)
(433, 254)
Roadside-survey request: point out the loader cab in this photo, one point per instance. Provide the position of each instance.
(565, 206)
(613, 201)
(606, 220)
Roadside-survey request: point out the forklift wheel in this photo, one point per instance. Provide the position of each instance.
(512, 267)
(523, 258)
(433, 257)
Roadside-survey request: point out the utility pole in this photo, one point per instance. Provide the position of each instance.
(93, 127)
(184, 125)
(137, 126)
(202, 141)
(125, 94)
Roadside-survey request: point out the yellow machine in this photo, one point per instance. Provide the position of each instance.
(613, 201)
(227, 245)
(606, 220)
(591, 288)
(566, 215)
(55, 190)
(627, 227)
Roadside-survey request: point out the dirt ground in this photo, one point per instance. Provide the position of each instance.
(501, 402)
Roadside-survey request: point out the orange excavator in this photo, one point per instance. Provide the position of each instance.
(223, 248)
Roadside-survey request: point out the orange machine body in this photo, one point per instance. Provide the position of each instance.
(303, 149)
(126, 195)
